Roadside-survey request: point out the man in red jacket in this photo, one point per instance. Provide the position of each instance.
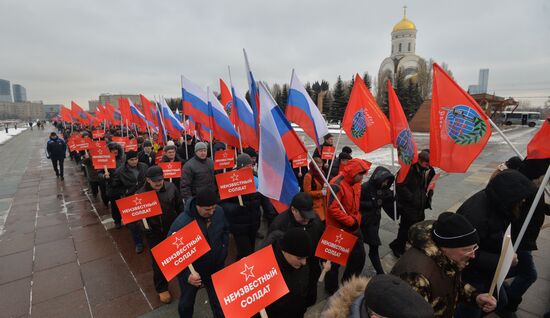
(347, 187)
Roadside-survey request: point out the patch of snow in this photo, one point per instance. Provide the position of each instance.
(11, 132)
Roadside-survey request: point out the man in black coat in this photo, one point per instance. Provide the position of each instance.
(413, 198)
(291, 253)
(172, 205)
(56, 149)
(128, 179)
(301, 215)
(147, 155)
(491, 211)
(197, 173)
(213, 225)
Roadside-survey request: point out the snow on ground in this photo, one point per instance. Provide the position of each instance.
(11, 132)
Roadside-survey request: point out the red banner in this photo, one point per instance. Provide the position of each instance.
(81, 143)
(327, 153)
(250, 284)
(224, 159)
(236, 182)
(335, 245)
(171, 169)
(300, 161)
(98, 134)
(102, 158)
(139, 206)
(121, 141)
(180, 249)
(71, 144)
(98, 144)
(131, 144)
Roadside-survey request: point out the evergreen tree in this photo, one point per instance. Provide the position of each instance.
(310, 92)
(284, 97)
(338, 106)
(368, 80)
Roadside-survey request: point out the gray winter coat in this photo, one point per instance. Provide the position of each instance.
(197, 174)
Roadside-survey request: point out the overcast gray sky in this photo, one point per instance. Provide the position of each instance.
(63, 50)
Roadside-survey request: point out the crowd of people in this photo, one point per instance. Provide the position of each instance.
(444, 266)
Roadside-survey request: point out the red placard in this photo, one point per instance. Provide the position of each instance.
(131, 144)
(180, 249)
(98, 134)
(102, 158)
(432, 184)
(139, 206)
(335, 245)
(159, 155)
(81, 143)
(121, 141)
(98, 144)
(250, 284)
(171, 169)
(235, 183)
(71, 144)
(327, 153)
(224, 159)
(300, 161)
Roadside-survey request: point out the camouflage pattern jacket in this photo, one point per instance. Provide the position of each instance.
(432, 274)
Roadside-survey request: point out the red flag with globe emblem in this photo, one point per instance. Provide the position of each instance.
(227, 101)
(401, 135)
(459, 128)
(364, 123)
(539, 146)
(79, 114)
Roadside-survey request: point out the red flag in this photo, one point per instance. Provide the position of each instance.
(149, 109)
(125, 112)
(539, 146)
(364, 122)
(227, 102)
(401, 136)
(79, 114)
(65, 114)
(459, 128)
(112, 115)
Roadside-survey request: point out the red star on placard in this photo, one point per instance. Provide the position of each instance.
(100, 151)
(169, 166)
(339, 238)
(247, 272)
(137, 201)
(234, 177)
(178, 242)
(224, 155)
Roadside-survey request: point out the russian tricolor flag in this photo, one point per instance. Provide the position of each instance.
(171, 123)
(222, 127)
(195, 102)
(302, 110)
(253, 91)
(244, 120)
(139, 118)
(276, 177)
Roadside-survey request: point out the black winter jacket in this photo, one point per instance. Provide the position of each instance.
(56, 148)
(148, 159)
(126, 181)
(197, 174)
(411, 195)
(490, 211)
(243, 220)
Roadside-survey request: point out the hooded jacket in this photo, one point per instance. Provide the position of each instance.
(432, 274)
(348, 192)
(490, 211)
(373, 199)
(411, 195)
(347, 301)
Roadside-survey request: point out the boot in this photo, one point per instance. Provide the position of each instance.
(165, 297)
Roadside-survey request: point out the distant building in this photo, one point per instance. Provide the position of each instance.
(19, 93)
(482, 83)
(92, 105)
(5, 91)
(51, 110)
(22, 110)
(113, 99)
(403, 47)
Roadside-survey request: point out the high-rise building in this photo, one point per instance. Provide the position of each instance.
(5, 91)
(19, 93)
(482, 83)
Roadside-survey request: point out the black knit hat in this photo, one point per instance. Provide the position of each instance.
(389, 296)
(206, 197)
(297, 242)
(131, 154)
(147, 143)
(453, 230)
(513, 163)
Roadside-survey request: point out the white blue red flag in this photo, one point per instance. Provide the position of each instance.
(222, 127)
(172, 125)
(302, 111)
(253, 92)
(195, 102)
(276, 177)
(139, 118)
(244, 120)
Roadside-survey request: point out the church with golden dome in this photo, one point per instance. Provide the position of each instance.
(403, 47)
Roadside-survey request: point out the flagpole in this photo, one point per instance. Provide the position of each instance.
(394, 186)
(235, 108)
(532, 209)
(210, 120)
(335, 149)
(183, 121)
(240, 140)
(506, 138)
(326, 182)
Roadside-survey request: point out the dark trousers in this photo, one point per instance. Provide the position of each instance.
(245, 244)
(55, 163)
(374, 257)
(403, 233)
(525, 274)
(161, 285)
(115, 213)
(356, 262)
(481, 286)
(135, 230)
(189, 293)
